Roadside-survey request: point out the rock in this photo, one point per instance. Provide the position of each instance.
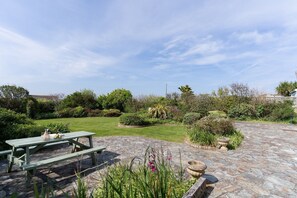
(2, 194)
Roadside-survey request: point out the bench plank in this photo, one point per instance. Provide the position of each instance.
(61, 158)
(7, 152)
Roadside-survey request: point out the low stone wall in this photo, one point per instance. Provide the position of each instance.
(197, 190)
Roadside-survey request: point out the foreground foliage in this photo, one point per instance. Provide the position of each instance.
(155, 177)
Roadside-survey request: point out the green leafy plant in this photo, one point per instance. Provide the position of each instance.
(201, 137)
(215, 125)
(191, 118)
(132, 119)
(153, 178)
(235, 139)
(158, 111)
(57, 127)
(111, 113)
(14, 125)
(242, 111)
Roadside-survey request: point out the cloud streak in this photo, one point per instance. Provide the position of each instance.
(106, 45)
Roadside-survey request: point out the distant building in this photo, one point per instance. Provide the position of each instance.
(294, 93)
(279, 98)
(46, 97)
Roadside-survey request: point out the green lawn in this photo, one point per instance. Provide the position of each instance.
(103, 126)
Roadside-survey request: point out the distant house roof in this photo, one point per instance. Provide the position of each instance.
(45, 97)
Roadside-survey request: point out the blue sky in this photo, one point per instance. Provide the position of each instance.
(54, 46)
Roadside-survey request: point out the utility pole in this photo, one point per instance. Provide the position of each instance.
(166, 91)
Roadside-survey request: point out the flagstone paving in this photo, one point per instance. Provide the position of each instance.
(265, 165)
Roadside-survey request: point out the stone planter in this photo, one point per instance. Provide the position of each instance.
(223, 142)
(196, 168)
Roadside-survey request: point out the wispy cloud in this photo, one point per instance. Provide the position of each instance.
(111, 44)
(255, 37)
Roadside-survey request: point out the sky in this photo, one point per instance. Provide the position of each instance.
(54, 46)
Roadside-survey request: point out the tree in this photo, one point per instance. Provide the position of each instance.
(85, 98)
(117, 99)
(186, 89)
(285, 88)
(13, 92)
(187, 96)
(241, 92)
(13, 98)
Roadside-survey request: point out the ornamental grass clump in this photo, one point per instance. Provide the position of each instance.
(151, 177)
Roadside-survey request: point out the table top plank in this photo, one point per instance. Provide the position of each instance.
(32, 141)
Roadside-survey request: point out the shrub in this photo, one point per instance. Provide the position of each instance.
(46, 116)
(132, 119)
(215, 125)
(202, 104)
(175, 114)
(78, 112)
(191, 118)
(14, 125)
(94, 112)
(57, 127)
(242, 111)
(235, 139)
(64, 113)
(283, 111)
(46, 106)
(111, 113)
(201, 137)
(221, 114)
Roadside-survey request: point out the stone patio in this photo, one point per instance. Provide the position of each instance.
(265, 165)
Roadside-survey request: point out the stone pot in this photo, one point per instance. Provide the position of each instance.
(223, 142)
(196, 168)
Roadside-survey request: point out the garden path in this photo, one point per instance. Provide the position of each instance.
(265, 164)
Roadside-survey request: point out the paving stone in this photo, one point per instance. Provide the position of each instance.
(2, 194)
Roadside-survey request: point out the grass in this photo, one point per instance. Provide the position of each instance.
(104, 126)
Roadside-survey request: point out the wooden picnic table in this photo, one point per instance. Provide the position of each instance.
(31, 145)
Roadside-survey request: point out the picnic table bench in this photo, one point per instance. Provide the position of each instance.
(23, 148)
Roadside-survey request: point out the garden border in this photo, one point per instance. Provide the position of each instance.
(197, 190)
(199, 146)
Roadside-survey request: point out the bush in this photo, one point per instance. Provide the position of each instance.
(78, 112)
(132, 119)
(215, 125)
(94, 112)
(64, 113)
(201, 137)
(283, 111)
(14, 125)
(235, 139)
(46, 116)
(191, 118)
(220, 114)
(111, 113)
(202, 104)
(57, 127)
(175, 114)
(242, 111)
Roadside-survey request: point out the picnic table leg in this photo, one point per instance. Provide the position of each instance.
(74, 146)
(27, 156)
(93, 156)
(11, 159)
